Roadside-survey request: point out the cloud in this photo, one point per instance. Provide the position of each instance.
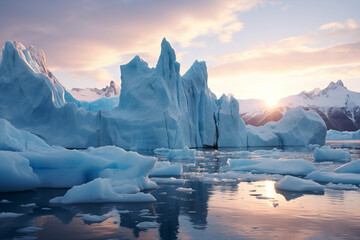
(86, 35)
(350, 24)
(288, 66)
(298, 53)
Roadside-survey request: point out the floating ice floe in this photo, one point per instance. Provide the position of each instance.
(326, 153)
(28, 205)
(147, 225)
(184, 153)
(170, 180)
(185, 190)
(334, 177)
(341, 186)
(233, 176)
(297, 167)
(94, 218)
(344, 135)
(295, 184)
(30, 229)
(165, 168)
(93, 173)
(9, 215)
(103, 190)
(351, 167)
(5, 201)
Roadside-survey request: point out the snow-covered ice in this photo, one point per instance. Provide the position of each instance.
(326, 153)
(295, 184)
(297, 167)
(5, 201)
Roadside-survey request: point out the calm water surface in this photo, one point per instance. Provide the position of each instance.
(225, 210)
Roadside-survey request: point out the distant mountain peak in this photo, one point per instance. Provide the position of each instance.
(92, 94)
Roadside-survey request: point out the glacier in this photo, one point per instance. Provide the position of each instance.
(157, 108)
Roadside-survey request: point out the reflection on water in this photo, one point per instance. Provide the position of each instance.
(232, 210)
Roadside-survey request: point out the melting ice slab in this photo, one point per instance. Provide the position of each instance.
(295, 184)
(297, 167)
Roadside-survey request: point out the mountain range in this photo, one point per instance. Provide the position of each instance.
(338, 106)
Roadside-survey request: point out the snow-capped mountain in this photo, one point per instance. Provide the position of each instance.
(92, 94)
(337, 105)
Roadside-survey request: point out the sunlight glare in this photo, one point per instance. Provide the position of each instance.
(271, 102)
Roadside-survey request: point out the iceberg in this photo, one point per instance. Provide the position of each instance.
(261, 137)
(158, 108)
(326, 153)
(345, 135)
(295, 184)
(300, 128)
(297, 167)
(105, 174)
(16, 173)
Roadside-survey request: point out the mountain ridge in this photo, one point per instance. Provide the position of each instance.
(336, 104)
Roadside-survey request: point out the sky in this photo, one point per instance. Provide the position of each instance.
(263, 49)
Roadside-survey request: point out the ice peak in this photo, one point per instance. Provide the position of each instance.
(333, 85)
(167, 65)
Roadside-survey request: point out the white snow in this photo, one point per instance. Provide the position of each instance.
(345, 178)
(147, 225)
(297, 167)
(165, 168)
(94, 218)
(93, 94)
(290, 183)
(326, 153)
(9, 215)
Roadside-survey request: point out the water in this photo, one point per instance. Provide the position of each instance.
(225, 209)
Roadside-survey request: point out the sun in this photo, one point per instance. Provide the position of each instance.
(271, 102)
